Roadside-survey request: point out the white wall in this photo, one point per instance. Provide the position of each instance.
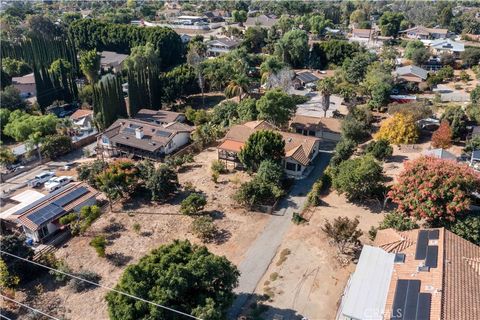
(179, 140)
(290, 172)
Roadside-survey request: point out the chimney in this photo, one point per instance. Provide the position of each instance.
(138, 133)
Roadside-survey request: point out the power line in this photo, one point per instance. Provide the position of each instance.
(102, 286)
(4, 317)
(28, 307)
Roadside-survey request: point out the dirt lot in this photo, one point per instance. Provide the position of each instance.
(394, 165)
(308, 282)
(159, 224)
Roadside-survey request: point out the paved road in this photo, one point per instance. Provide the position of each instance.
(20, 180)
(263, 250)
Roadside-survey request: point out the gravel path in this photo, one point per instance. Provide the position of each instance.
(263, 250)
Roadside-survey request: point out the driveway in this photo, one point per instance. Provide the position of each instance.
(20, 180)
(263, 250)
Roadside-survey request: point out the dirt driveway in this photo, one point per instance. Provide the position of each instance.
(305, 278)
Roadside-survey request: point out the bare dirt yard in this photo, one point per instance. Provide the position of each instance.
(134, 229)
(305, 278)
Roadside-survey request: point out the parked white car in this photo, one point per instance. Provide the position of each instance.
(57, 182)
(41, 179)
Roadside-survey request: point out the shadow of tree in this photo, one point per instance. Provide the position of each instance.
(215, 214)
(114, 227)
(222, 236)
(118, 259)
(396, 159)
(255, 308)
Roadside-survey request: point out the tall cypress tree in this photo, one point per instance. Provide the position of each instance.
(108, 100)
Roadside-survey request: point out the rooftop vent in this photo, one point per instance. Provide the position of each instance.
(138, 133)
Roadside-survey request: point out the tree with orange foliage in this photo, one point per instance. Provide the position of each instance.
(399, 129)
(118, 180)
(442, 137)
(433, 189)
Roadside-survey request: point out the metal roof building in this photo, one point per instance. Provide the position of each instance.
(367, 290)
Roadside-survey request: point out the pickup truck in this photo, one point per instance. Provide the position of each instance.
(41, 179)
(57, 182)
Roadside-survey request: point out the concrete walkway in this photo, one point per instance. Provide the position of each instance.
(264, 248)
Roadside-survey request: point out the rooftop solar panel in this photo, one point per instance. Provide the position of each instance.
(432, 256)
(422, 242)
(165, 134)
(410, 309)
(424, 306)
(128, 130)
(71, 196)
(44, 214)
(307, 77)
(399, 299)
(433, 234)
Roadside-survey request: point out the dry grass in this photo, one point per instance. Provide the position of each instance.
(146, 226)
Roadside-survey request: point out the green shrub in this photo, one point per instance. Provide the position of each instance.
(397, 221)
(55, 146)
(380, 149)
(218, 166)
(69, 218)
(215, 176)
(136, 227)
(298, 219)
(204, 228)
(359, 178)
(343, 150)
(257, 192)
(61, 265)
(90, 214)
(193, 204)
(77, 285)
(270, 172)
(99, 243)
(313, 197)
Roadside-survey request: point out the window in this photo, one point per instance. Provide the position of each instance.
(311, 133)
(298, 130)
(105, 140)
(291, 166)
(43, 232)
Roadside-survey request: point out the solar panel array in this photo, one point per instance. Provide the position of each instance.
(165, 134)
(307, 77)
(47, 213)
(71, 196)
(128, 130)
(422, 243)
(409, 303)
(426, 252)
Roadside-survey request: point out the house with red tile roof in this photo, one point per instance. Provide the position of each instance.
(300, 150)
(428, 274)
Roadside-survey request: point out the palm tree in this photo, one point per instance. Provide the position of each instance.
(33, 143)
(237, 87)
(195, 57)
(272, 65)
(326, 86)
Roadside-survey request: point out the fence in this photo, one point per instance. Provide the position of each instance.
(85, 141)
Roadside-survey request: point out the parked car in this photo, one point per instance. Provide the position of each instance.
(41, 179)
(57, 182)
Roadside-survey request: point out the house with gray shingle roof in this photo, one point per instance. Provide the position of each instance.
(151, 134)
(411, 73)
(440, 46)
